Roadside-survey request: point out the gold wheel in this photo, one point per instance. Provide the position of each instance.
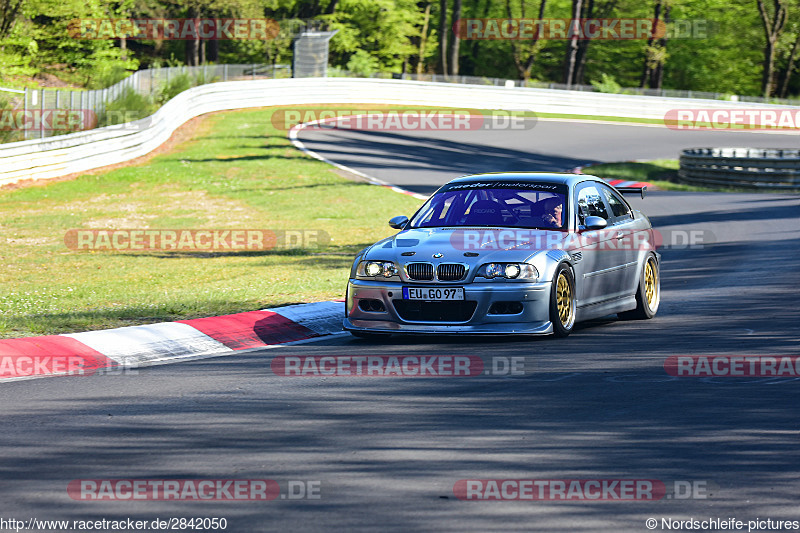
(564, 303)
(650, 284)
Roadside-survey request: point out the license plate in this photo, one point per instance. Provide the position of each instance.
(433, 293)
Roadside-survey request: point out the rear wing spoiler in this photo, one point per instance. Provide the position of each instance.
(633, 190)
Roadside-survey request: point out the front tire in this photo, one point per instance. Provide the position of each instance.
(648, 295)
(562, 301)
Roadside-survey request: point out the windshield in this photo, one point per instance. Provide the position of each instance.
(534, 206)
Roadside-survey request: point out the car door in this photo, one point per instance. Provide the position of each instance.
(622, 229)
(603, 271)
(625, 231)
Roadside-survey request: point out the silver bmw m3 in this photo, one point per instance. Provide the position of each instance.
(508, 253)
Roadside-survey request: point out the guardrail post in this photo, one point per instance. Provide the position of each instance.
(25, 112)
(41, 114)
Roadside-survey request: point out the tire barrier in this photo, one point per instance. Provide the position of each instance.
(746, 168)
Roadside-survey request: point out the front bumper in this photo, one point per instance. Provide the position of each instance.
(532, 320)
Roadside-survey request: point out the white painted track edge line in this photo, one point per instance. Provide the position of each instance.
(293, 137)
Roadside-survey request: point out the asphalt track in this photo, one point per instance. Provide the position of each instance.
(421, 160)
(388, 451)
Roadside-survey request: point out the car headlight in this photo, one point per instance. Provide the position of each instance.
(509, 271)
(512, 270)
(372, 269)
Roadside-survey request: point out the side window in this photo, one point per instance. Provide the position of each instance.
(590, 204)
(618, 205)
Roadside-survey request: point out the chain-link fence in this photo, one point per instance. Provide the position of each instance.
(479, 80)
(39, 113)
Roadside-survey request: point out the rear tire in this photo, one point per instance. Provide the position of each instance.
(648, 295)
(562, 301)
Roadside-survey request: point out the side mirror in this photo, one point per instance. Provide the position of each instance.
(592, 223)
(398, 222)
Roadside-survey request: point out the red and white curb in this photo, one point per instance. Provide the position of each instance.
(165, 342)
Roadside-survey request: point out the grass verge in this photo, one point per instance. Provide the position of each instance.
(237, 172)
(662, 173)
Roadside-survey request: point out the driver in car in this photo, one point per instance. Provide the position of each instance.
(552, 213)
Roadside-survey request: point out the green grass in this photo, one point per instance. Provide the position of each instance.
(237, 172)
(604, 118)
(661, 173)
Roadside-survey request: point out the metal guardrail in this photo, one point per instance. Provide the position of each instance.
(749, 168)
(667, 93)
(150, 81)
(77, 152)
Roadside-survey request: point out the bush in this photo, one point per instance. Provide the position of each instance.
(127, 107)
(362, 64)
(107, 75)
(7, 136)
(607, 84)
(174, 87)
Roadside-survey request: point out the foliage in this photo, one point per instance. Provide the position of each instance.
(7, 135)
(607, 84)
(362, 64)
(176, 85)
(127, 107)
(712, 45)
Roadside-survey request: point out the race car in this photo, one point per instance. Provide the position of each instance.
(508, 253)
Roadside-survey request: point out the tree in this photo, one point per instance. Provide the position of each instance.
(656, 50)
(524, 53)
(423, 39)
(443, 31)
(790, 67)
(9, 9)
(572, 45)
(382, 29)
(591, 10)
(454, 44)
(773, 26)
